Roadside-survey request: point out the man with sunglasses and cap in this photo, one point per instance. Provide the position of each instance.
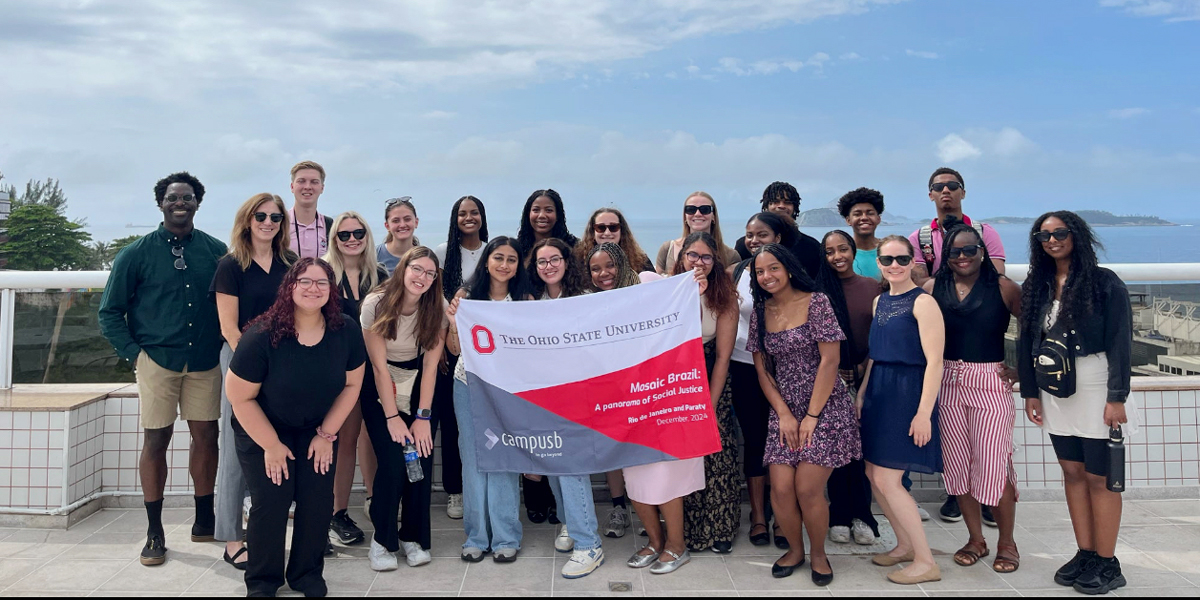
(946, 191)
(156, 313)
(310, 229)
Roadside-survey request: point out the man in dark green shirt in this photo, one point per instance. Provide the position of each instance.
(156, 312)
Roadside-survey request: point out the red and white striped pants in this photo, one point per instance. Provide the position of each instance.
(976, 414)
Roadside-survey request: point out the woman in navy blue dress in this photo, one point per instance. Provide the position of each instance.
(898, 406)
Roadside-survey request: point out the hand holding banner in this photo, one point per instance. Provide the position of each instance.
(588, 384)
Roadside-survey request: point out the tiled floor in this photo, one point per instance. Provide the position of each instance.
(1159, 549)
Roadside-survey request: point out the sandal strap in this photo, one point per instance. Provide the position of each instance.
(238, 553)
(672, 554)
(650, 548)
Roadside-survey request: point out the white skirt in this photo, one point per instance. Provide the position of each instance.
(663, 481)
(1082, 415)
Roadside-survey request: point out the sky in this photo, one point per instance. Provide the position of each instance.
(631, 103)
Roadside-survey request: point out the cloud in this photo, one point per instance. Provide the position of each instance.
(922, 54)
(438, 115)
(1169, 10)
(152, 48)
(953, 148)
(1127, 113)
(763, 67)
(850, 56)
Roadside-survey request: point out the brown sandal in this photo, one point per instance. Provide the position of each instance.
(970, 554)
(1007, 560)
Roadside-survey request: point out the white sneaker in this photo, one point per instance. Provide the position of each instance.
(563, 543)
(381, 559)
(414, 554)
(924, 513)
(862, 533)
(618, 522)
(839, 534)
(454, 506)
(583, 562)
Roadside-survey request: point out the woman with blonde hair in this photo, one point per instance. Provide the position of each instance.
(356, 271)
(607, 224)
(244, 287)
(699, 214)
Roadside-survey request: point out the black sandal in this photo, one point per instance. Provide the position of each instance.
(241, 566)
(760, 539)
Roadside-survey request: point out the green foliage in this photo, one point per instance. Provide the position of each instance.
(40, 193)
(41, 239)
(119, 244)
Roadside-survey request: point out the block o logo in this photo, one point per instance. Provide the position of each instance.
(482, 339)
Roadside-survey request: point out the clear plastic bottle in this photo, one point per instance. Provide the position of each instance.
(412, 461)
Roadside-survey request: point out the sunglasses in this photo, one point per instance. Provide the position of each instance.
(394, 201)
(953, 185)
(704, 210)
(969, 251)
(1058, 234)
(262, 216)
(609, 227)
(357, 233)
(177, 252)
(902, 260)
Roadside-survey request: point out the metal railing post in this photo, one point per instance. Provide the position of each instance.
(8, 300)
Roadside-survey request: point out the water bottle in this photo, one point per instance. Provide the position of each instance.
(412, 461)
(1115, 481)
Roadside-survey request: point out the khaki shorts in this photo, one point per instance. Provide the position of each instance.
(197, 395)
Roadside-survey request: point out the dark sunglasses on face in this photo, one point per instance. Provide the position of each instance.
(177, 252)
(357, 233)
(609, 227)
(902, 260)
(953, 185)
(1058, 234)
(704, 210)
(969, 251)
(262, 216)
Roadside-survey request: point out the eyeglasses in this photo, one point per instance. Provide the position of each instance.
(394, 201)
(902, 260)
(696, 257)
(954, 186)
(417, 270)
(183, 198)
(262, 216)
(307, 282)
(553, 261)
(177, 252)
(969, 251)
(357, 233)
(609, 227)
(1058, 234)
(704, 210)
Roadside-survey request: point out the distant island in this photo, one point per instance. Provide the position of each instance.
(828, 217)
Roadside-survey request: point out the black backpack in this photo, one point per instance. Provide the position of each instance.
(1054, 361)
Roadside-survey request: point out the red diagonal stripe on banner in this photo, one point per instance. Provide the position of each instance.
(675, 417)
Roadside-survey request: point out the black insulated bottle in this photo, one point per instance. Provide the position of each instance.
(1116, 460)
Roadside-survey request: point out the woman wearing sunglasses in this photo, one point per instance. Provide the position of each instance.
(356, 272)
(897, 406)
(1089, 304)
(244, 287)
(292, 380)
(400, 219)
(608, 225)
(975, 410)
(699, 214)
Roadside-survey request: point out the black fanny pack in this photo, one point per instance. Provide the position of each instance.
(1054, 362)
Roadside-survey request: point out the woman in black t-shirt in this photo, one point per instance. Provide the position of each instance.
(294, 377)
(244, 286)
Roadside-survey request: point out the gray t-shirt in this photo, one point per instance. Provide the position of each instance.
(387, 259)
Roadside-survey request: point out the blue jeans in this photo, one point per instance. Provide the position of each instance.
(577, 508)
(491, 501)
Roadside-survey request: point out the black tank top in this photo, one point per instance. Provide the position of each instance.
(976, 326)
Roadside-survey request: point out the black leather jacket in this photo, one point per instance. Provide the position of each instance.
(1110, 331)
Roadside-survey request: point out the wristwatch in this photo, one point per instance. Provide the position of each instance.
(424, 414)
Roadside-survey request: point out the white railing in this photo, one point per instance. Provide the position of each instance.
(12, 281)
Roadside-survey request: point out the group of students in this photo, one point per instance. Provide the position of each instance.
(845, 363)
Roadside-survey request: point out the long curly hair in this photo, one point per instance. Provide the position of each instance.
(720, 296)
(625, 275)
(1082, 291)
(831, 285)
(240, 246)
(429, 307)
(637, 256)
(797, 277)
(525, 235)
(944, 277)
(452, 275)
(280, 319)
(481, 282)
(572, 281)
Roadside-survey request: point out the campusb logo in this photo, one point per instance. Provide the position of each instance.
(530, 443)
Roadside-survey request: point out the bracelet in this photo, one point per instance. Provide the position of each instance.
(420, 418)
(393, 416)
(327, 436)
(818, 417)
